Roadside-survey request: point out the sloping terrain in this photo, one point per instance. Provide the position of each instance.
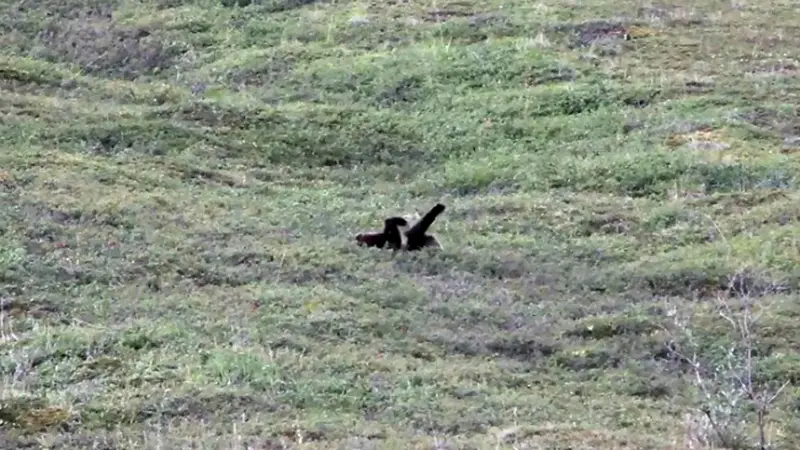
(181, 182)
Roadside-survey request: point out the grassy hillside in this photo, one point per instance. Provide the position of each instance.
(181, 182)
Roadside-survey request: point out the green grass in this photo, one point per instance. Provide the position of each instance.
(181, 182)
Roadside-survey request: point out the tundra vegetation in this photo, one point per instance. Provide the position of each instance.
(181, 182)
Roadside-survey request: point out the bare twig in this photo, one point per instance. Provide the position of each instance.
(738, 369)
